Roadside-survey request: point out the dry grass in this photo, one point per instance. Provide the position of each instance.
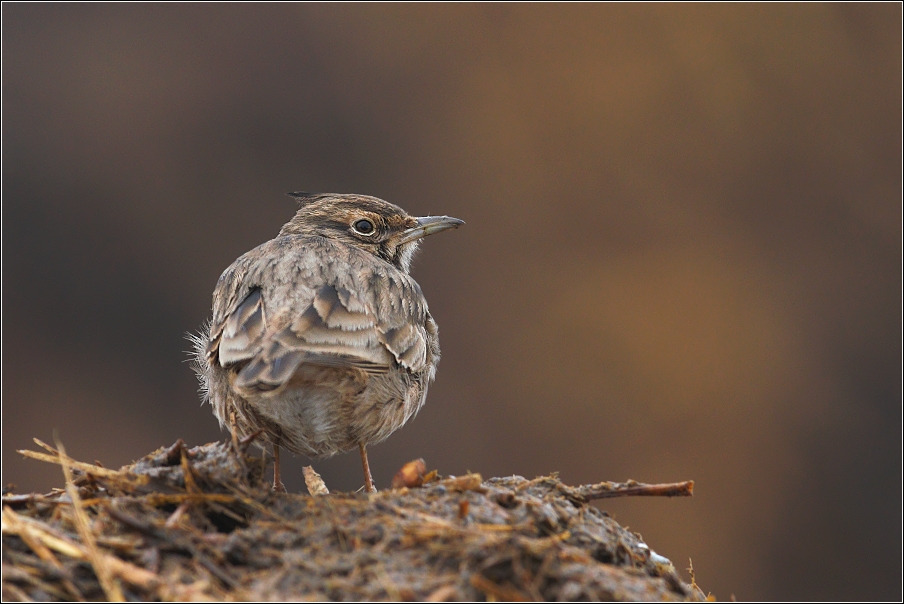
(201, 523)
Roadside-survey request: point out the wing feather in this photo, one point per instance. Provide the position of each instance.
(371, 319)
(243, 330)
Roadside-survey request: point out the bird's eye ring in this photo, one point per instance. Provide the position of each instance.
(363, 226)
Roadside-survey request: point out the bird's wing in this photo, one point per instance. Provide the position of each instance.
(369, 317)
(242, 330)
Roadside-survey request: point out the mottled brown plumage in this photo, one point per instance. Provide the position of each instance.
(319, 337)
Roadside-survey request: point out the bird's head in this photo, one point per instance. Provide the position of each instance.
(367, 223)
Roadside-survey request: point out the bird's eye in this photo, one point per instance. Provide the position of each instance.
(363, 226)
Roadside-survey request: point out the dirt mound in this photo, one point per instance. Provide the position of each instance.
(202, 523)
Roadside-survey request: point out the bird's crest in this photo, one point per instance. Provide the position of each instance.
(305, 197)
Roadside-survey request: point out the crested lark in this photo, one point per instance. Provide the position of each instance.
(319, 338)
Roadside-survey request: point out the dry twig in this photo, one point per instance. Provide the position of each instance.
(103, 571)
(605, 490)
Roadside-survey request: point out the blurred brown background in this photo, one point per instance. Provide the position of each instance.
(682, 256)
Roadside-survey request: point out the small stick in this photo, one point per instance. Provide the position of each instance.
(173, 454)
(167, 536)
(15, 592)
(136, 524)
(174, 518)
(76, 465)
(19, 500)
(52, 538)
(44, 445)
(605, 490)
(15, 573)
(104, 573)
(157, 499)
(44, 553)
(505, 593)
(16, 525)
(246, 499)
(190, 485)
(446, 593)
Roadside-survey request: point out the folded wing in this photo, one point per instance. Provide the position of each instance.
(374, 331)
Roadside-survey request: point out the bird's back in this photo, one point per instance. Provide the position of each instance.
(318, 343)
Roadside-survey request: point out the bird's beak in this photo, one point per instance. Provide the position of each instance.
(428, 225)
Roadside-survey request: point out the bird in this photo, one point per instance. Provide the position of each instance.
(320, 341)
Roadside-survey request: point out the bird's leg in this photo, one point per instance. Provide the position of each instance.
(368, 479)
(277, 483)
(233, 429)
